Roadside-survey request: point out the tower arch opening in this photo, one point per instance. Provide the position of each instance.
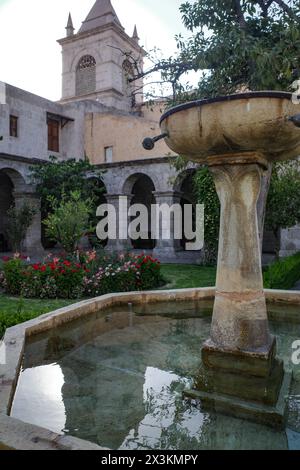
(86, 75)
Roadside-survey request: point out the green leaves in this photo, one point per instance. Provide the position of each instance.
(283, 274)
(69, 220)
(58, 178)
(19, 221)
(283, 204)
(241, 43)
(205, 193)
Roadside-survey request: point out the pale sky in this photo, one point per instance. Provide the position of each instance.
(30, 55)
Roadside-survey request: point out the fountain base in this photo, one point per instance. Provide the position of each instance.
(244, 384)
(269, 415)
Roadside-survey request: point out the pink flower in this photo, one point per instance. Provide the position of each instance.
(92, 255)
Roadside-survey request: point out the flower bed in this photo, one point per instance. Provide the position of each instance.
(85, 275)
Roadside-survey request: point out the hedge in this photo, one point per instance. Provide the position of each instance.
(283, 274)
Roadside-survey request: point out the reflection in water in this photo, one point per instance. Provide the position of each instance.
(117, 379)
(40, 399)
(162, 425)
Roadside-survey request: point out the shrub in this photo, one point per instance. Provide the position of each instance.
(283, 274)
(149, 273)
(13, 275)
(53, 279)
(69, 221)
(90, 275)
(124, 274)
(205, 192)
(19, 221)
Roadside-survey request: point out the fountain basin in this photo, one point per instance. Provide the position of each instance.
(15, 433)
(231, 125)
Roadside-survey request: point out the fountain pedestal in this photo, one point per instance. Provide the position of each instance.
(239, 359)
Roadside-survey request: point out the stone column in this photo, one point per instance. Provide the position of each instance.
(239, 277)
(32, 244)
(122, 242)
(239, 358)
(166, 246)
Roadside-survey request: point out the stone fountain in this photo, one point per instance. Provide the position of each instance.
(237, 136)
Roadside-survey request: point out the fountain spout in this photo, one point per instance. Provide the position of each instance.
(149, 142)
(295, 120)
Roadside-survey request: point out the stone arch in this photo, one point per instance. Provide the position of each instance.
(141, 188)
(10, 182)
(82, 52)
(17, 179)
(85, 75)
(133, 178)
(182, 179)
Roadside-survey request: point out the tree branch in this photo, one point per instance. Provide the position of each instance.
(240, 15)
(285, 8)
(264, 7)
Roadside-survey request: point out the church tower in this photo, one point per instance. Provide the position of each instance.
(94, 64)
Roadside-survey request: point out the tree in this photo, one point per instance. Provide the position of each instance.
(69, 219)
(19, 221)
(56, 179)
(237, 44)
(283, 203)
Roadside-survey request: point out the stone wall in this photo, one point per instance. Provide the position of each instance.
(290, 241)
(32, 140)
(125, 133)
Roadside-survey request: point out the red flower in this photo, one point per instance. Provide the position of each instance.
(36, 267)
(67, 263)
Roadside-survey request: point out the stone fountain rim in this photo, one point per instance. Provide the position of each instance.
(226, 98)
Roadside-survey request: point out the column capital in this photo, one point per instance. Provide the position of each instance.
(246, 158)
(113, 197)
(26, 195)
(168, 194)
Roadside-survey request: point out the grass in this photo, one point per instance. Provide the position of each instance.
(15, 310)
(182, 276)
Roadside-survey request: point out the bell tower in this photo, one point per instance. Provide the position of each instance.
(94, 60)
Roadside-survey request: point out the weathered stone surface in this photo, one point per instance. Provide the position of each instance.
(273, 416)
(257, 363)
(245, 386)
(14, 434)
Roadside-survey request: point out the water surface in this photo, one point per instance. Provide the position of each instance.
(116, 378)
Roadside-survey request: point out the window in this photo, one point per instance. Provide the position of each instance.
(13, 126)
(86, 75)
(108, 153)
(53, 135)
